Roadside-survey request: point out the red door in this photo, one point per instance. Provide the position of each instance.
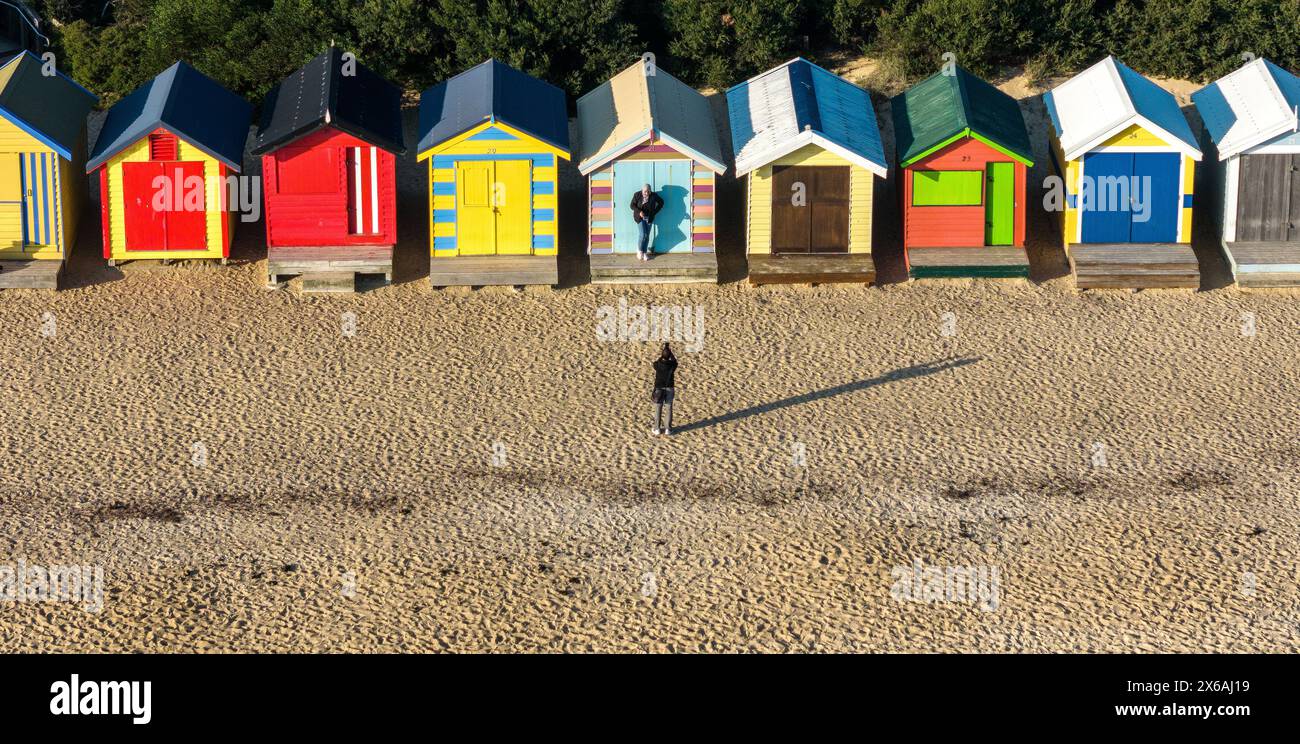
(187, 226)
(145, 229)
(179, 228)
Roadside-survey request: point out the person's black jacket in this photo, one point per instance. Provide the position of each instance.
(664, 371)
(651, 206)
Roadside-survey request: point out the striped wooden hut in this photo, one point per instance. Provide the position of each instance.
(42, 181)
(808, 143)
(493, 137)
(1128, 160)
(329, 137)
(161, 160)
(965, 155)
(1252, 116)
(644, 126)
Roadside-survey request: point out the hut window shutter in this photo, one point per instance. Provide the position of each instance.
(947, 188)
(163, 146)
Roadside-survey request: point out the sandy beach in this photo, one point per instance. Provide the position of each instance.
(473, 470)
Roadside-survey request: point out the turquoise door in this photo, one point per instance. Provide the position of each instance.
(671, 179)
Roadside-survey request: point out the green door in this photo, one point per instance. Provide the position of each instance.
(1000, 204)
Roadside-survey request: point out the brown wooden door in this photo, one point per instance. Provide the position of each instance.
(1264, 198)
(820, 224)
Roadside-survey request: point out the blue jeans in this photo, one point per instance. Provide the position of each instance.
(643, 237)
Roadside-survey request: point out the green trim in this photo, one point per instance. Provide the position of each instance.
(947, 188)
(1018, 158)
(970, 272)
(963, 133)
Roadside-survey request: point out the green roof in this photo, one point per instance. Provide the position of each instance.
(945, 107)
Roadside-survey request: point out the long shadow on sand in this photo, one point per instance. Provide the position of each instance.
(905, 373)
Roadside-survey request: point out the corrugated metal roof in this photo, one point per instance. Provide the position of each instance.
(1250, 106)
(51, 108)
(798, 104)
(945, 106)
(186, 103)
(318, 94)
(493, 91)
(1107, 98)
(637, 103)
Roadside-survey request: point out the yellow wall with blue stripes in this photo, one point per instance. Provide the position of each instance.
(487, 142)
(41, 219)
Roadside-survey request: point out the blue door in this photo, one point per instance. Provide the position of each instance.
(1104, 203)
(1155, 197)
(671, 179)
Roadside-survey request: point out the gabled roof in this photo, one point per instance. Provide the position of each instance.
(1106, 99)
(798, 104)
(493, 92)
(638, 104)
(947, 106)
(319, 94)
(51, 108)
(1250, 106)
(186, 103)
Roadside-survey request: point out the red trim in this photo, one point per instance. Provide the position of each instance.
(105, 226)
(225, 215)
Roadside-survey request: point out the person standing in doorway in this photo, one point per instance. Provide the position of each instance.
(665, 369)
(645, 205)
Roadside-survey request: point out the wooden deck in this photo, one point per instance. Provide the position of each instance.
(1264, 265)
(31, 274)
(856, 268)
(665, 268)
(1135, 266)
(488, 271)
(330, 261)
(992, 262)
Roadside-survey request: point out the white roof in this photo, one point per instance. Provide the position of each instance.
(1259, 109)
(1106, 99)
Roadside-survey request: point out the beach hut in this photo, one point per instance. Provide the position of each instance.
(808, 144)
(42, 184)
(328, 138)
(1128, 160)
(644, 126)
(493, 137)
(162, 159)
(965, 155)
(1254, 180)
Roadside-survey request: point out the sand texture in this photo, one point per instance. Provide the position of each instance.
(473, 470)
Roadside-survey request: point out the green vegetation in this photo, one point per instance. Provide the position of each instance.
(250, 44)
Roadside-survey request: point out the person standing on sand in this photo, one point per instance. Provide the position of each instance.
(665, 368)
(645, 205)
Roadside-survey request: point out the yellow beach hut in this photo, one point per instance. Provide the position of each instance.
(42, 187)
(492, 136)
(161, 160)
(1128, 159)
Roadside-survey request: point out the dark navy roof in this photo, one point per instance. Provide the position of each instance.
(318, 95)
(51, 108)
(186, 103)
(493, 91)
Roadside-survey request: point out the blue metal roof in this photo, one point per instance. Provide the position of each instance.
(1156, 104)
(186, 103)
(816, 100)
(493, 91)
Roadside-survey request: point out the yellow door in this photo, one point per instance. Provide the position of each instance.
(475, 218)
(11, 203)
(514, 207)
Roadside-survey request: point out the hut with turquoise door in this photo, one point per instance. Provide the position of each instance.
(965, 155)
(1128, 159)
(42, 184)
(493, 137)
(1252, 183)
(643, 126)
(808, 145)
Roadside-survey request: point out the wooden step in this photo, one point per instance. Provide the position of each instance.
(1135, 266)
(664, 268)
(332, 282)
(989, 262)
(812, 269)
(30, 274)
(493, 271)
(283, 262)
